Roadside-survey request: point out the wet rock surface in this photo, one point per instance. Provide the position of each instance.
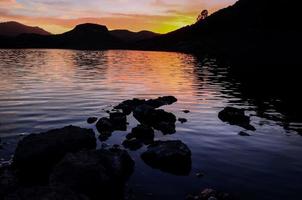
(169, 156)
(235, 116)
(36, 154)
(97, 174)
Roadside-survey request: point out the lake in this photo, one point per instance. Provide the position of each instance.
(46, 89)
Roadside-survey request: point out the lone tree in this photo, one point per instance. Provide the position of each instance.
(204, 14)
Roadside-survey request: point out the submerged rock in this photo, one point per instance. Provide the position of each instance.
(235, 116)
(242, 133)
(169, 156)
(182, 120)
(45, 193)
(99, 174)
(36, 154)
(92, 120)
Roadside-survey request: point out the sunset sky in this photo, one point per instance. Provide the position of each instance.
(58, 16)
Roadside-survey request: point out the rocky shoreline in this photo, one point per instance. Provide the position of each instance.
(66, 163)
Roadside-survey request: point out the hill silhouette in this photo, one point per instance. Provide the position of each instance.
(129, 36)
(13, 29)
(83, 36)
(249, 32)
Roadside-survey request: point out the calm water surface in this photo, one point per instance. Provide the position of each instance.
(46, 89)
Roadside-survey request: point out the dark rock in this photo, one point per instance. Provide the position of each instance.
(143, 112)
(104, 125)
(92, 120)
(98, 174)
(119, 121)
(166, 128)
(186, 111)
(161, 101)
(132, 144)
(36, 154)
(182, 120)
(129, 105)
(159, 119)
(235, 116)
(44, 193)
(169, 156)
(8, 181)
(143, 133)
(242, 133)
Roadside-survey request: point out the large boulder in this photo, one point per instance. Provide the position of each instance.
(44, 193)
(169, 156)
(235, 116)
(99, 174)
(36, 154)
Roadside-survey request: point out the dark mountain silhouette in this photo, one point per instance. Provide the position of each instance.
(129, 36)
(88, 36)
(84, 36)
(13, 29)
(249, 32)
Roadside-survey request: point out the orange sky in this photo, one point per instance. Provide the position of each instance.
(58, 16)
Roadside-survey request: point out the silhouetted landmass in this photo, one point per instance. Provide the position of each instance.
(249, 32)
(84, 36)
(129, 36)
(13, 29)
